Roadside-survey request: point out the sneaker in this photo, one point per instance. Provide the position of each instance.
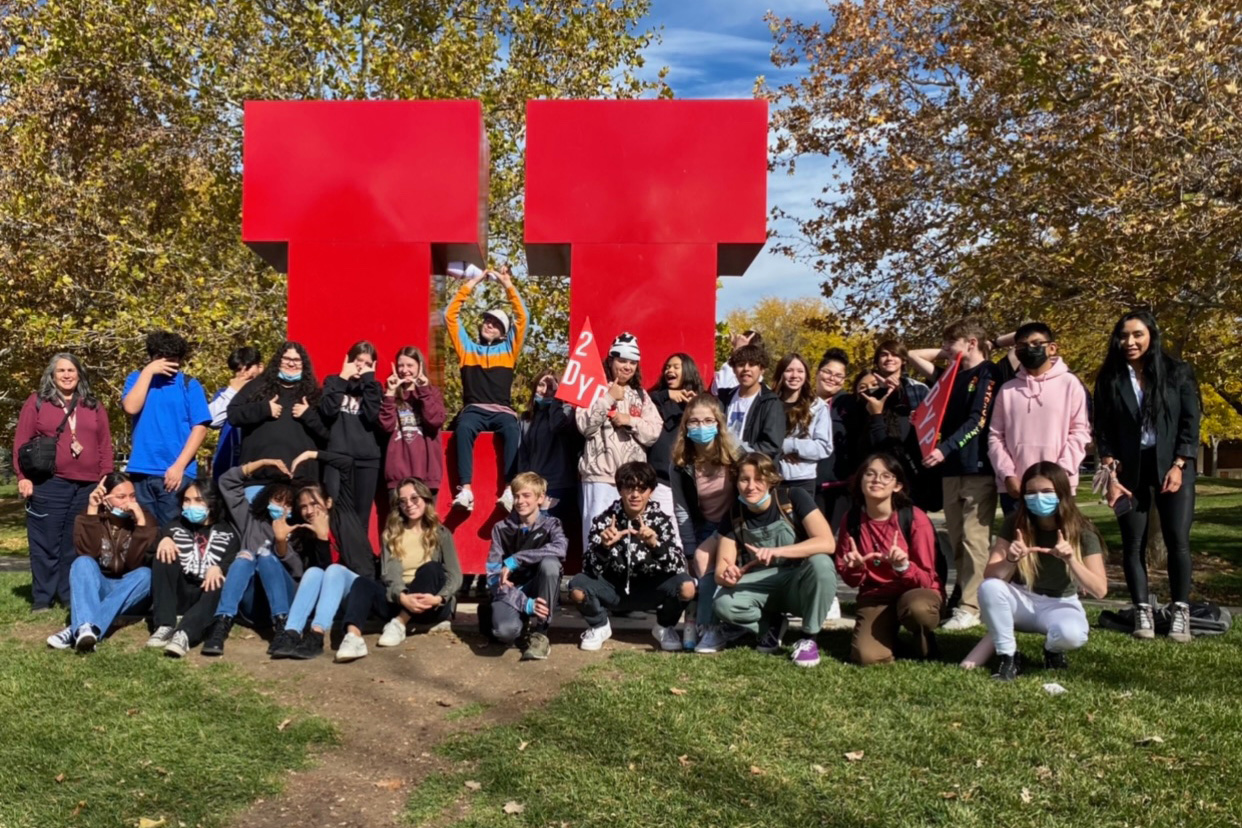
(1055, 661)
(771, 641)
(1008, 667)
(85, 638)
(805, 653)
(311, 646)
(733, 634)
(539, 647)
(506, 499)
(62, 640)
(1179, 622)
(670, 641)
(393, 634)
(834, 612)
(594, 637)
(352, 648)
(160, 637)
(213, 644)
(711, 640)
(689, 635)
(178, 645)
(464, 500)
(440, 627)
(963, 619)
(1144, 621)
(284, 643)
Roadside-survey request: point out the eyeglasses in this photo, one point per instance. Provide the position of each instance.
(291, 361)
(694, 423)
(632, 488)
(832, 375)
(883, 477)
(410, 501)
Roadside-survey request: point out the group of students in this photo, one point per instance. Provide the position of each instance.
(736, 507)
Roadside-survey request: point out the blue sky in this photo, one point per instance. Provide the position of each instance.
(716, 49)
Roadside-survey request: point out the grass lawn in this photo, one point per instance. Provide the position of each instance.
(1147, 734)
(120, 735)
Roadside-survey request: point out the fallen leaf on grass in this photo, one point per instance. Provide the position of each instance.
(471, 785)
(684, 761)
(389, 784)
(1043, 773)
(512, 807)
(677, 691)
(948, 794)
(143, 822)
(820, 769)
(755, 770)
(1148, 740)
(1026, 796)
(60, 777)
(281, 727)
(855, 755)
(133, 711)
(444, 703)
(78, 809)
(522, 746)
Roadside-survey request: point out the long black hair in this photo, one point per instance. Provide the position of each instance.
(1159, 369)
(215, 508)
(268, 384)
(691, 379)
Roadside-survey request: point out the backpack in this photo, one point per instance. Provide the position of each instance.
(1205, 619)
(905, 523)
(738, 521)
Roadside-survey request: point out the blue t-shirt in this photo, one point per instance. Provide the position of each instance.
(173, 407)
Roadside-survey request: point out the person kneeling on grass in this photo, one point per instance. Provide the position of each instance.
(421, 574)
(887, 551)
(1055, 550)
(774, 558)
(191, 562)
(524, 571)
(112, 572)
(632, 563)
(334, 548)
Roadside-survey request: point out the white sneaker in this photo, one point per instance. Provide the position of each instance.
(352, 648)
(506, 499)
(834, 612)
(85, 638)
(689, 635)
(669, 640)
(160, 637)
(440, 627)
(393, 634)
(62, 640)
(594, 637)
(963, 619)
(179, 645)
(464, 500)
(711, 640)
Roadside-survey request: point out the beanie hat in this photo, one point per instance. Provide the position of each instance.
(500, 317)
(625, 346)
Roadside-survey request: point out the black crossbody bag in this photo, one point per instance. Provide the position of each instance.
(37, 456)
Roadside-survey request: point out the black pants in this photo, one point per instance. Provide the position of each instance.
(367, 598)
(365, 485)
(50, 513)
(661, 593)
(808, 486)
(173, 593)
(1176, 510)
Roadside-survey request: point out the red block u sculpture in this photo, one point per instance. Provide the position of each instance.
(360, 202)
(644, 204)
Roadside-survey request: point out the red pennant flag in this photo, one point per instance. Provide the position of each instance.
(930, 413)
(584, 380)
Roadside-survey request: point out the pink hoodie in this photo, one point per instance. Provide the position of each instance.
(1039, 418)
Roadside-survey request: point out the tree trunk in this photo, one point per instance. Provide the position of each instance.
(1157, 552)
(1215, 445)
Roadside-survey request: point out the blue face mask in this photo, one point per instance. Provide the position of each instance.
(285, 376)
(1043, 504)
(276, 512)
(121, 513)
(702, 434)
(762, 504)
(541, 400)
(195, 514)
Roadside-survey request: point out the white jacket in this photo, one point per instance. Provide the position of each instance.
(809, 444)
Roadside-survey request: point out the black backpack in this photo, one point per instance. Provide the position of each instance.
(1205, 619)
(905, 522)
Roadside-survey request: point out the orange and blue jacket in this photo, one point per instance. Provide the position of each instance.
(486, 370)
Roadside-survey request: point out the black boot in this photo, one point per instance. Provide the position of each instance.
(284, 643)
(1055, 661)
(213, 644)
(309, 647)
(1008, 667)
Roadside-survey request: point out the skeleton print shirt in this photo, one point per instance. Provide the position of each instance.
(200, 547)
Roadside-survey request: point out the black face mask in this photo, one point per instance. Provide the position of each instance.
(877, 393)
(1032, 357)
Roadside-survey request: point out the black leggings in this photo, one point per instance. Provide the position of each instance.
(1176, 510)
(367, 598)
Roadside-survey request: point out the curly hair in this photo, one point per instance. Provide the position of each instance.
(268, 384)
(167, 345)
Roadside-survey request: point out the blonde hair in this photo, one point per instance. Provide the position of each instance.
(1069, 519)
(723, 451)
(531, 481)
(396, 527)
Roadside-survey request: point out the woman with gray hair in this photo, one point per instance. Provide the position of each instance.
(71, 427)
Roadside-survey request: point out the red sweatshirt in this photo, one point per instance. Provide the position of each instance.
(93, 433)
(877, 536)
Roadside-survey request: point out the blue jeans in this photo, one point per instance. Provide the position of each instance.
(705, 607)
(322, 592)
(149, 489)
(97, 599)
(238, 592)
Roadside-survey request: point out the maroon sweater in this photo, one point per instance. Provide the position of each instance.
(414, 448)
(877, 537)
(92, 431)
